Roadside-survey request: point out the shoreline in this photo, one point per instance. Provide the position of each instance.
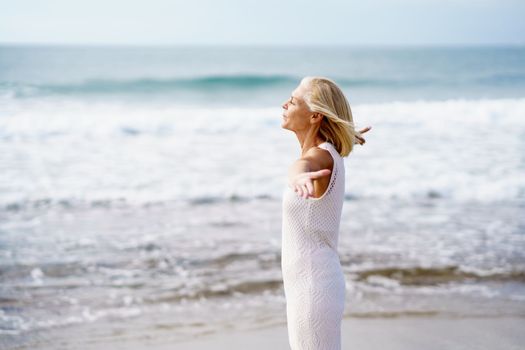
(405, 333)
(428, 333)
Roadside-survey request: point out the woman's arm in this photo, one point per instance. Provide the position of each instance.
(301, 174)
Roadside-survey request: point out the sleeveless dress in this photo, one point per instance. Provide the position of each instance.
(313, 280)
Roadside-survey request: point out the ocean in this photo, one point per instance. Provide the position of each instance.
(140, 187)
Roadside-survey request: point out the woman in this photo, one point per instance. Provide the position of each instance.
(314, 284)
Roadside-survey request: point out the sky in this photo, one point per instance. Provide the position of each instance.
(264, 22)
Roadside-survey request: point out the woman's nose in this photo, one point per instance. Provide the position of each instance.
(285, 105)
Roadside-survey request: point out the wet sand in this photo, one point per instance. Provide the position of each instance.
(391, 334)
(409, 333)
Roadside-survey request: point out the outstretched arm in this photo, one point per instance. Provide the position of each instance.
(301, 175)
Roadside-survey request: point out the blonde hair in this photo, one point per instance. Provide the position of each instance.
(337, 127)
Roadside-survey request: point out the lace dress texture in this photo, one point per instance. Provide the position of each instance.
(314, 283)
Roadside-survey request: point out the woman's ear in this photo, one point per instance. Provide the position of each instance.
(317, 117)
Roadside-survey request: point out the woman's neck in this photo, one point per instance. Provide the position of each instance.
(309, 139)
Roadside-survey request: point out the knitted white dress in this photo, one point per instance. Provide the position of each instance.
(314, 283)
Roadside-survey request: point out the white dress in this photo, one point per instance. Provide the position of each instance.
(314, 283)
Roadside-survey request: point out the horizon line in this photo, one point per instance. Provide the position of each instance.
(263, 45)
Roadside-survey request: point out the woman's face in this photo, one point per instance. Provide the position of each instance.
(296, 114)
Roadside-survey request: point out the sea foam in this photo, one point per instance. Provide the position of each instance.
(74, 150)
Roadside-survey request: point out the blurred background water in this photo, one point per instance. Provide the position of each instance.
(144, 183)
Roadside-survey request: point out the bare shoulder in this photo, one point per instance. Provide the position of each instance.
(318, 158)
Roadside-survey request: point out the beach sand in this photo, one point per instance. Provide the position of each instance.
(391, 334)
(407, 333)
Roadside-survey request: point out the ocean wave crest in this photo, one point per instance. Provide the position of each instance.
(149, 85)
(208, 83)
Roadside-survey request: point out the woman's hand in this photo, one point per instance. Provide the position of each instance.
(361, 140)
(303, 185)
